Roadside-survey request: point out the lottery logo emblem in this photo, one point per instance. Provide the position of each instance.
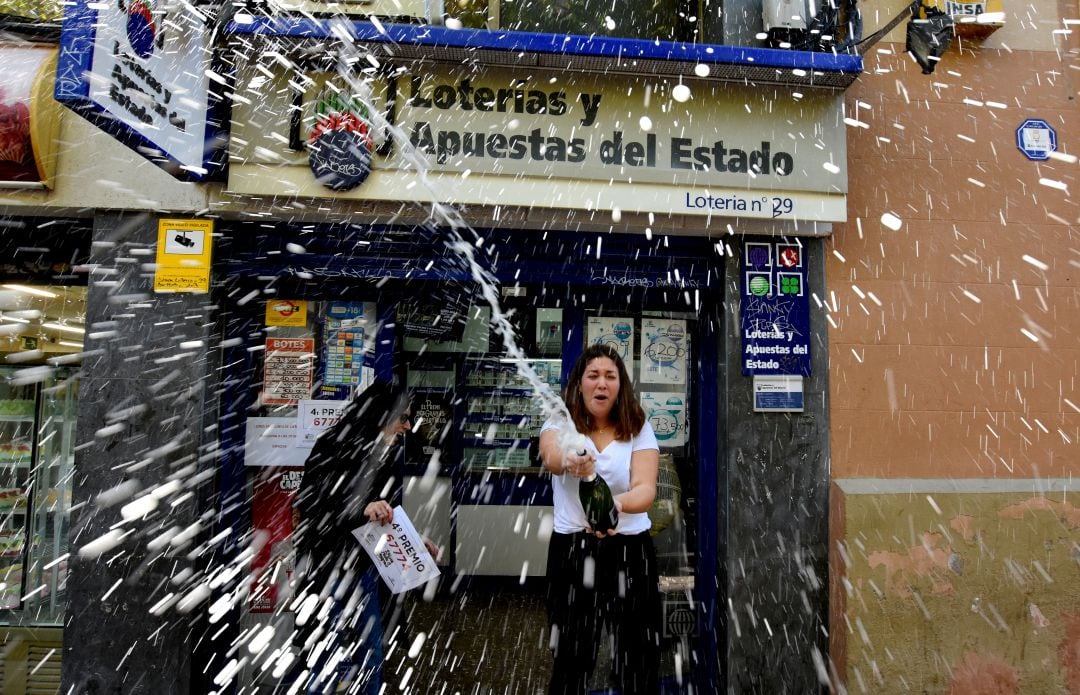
(141, 30)
(340, 143)
(789, 257)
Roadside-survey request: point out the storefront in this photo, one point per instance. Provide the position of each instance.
(606, 202)
(473, 483)
(603, 208)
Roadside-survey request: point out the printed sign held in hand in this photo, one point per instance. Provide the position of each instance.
(398, 552)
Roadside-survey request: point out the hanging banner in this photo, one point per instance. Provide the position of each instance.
(287, 370)
(141, 71)
(775, 309)
(29, 117)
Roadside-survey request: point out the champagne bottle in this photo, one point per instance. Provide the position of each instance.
(597, 502)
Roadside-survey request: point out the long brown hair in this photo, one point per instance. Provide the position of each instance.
(626, 414)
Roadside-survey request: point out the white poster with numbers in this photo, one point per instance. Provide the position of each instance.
(398, 552)
(614, 331)
(665, 346)
(666, 412)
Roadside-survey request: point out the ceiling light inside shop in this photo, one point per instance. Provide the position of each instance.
(31, 290)
(62, 327)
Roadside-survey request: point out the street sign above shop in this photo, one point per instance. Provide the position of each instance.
(513, 137)
(1036, 139)
(144, 77)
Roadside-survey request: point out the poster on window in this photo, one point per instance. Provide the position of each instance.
(345, 331)
(287, 370)
(431, 413)
(613, 331)
(273, 519)
(314, 418)
(666, 412)
(664, 349)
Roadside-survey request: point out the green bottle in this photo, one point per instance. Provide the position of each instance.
(598, 503)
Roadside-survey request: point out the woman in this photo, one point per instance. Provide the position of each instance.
(603, 579)
(348, 481)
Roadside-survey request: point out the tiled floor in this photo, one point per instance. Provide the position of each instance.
(479, 639)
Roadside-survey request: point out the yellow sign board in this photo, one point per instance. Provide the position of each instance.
(286, 312)
(183, 255)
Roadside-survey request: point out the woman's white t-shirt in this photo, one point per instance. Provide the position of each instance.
(613, 465)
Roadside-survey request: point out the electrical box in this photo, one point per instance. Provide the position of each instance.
(787, 15)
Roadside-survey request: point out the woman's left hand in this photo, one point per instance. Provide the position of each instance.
(609, 532)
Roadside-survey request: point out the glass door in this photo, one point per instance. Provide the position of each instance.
(37, 442)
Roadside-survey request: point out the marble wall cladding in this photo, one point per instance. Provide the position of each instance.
(775, 552)
(139, 427)
(966, 587)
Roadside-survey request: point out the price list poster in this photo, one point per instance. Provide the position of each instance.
(287, 370)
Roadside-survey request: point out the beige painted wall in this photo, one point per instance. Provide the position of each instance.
(954, 355)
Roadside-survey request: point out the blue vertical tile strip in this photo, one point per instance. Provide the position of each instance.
(712, 495)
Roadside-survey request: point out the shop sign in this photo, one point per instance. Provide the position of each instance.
(775, 309)
(290, 313)
(1036, 139)
(29, 118)
(516, 138)
(141, 71)
(778, 394)
(183, 255)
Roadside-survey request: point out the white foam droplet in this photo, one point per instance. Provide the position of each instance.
(453, 23)
(701, 70)
(616, 214)
(295, 248)
(680, 93)
(891, 221)
(646, 123)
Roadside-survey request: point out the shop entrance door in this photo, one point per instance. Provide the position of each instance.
(480, 419)
(472, 481)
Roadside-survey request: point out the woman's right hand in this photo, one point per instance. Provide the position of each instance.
(579, 465)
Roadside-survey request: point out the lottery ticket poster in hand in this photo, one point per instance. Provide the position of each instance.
(664, 349)
(666, 412)
(398, 552)
(614, 331)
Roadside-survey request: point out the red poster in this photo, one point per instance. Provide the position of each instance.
(287, 370)
(272, 514)
(28, 117)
